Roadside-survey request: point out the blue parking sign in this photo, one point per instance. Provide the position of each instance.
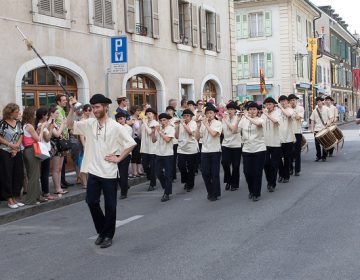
(119, 55)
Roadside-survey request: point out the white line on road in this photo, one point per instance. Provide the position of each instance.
(122, 222)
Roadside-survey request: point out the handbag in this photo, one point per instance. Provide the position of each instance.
(62, 145)
(41, 151)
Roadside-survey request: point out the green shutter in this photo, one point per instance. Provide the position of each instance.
(246, 66)
(240, 71)
(238, 26)
(268, 23)
(269, 65)
(245, 26)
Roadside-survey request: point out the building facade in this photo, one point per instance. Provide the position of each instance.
(176, 49)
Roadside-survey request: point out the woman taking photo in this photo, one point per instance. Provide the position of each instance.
(87, 111)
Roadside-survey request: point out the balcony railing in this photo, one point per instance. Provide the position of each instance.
(210, 46)
(141, 30)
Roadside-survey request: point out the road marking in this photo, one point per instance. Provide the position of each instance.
(187, 199)
(120, 223)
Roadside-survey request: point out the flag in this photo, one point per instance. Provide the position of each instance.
(262, 82)
(356, 78)
(313, 47)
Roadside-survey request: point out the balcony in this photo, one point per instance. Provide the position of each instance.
(141, 30)
(210, 46)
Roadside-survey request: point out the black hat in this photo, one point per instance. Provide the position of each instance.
(120, 115)
(232, 105)
(164, 116)
(292, 96)
(253, 104)
(99, 98)
(191, 102)
(270, 100)
(150, 110)
(329, 98)
(187, 112)
(283, 97)
(211, 107)
(170, 108)
(319, 98)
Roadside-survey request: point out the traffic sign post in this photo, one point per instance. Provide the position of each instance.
(119, 62)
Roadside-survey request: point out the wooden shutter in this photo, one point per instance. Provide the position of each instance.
(195, 25)
(108, 14)
(246, 66)
(130, 16)
(155, 19)
(240, 72)
(239, 26)
(58, 8)
(218, 33)
(245, 26)
(98, 13)
(269, 65)
(44, 7)
(175, 21)
(268, 23)
(203, 42)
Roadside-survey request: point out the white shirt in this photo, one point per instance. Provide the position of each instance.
(286, 127)
(147, 146)
(165, 148)
(252, 136)
(112, 138)
(172, 122)
(297, 124)
(211, 144)
(334, 112)
(325, 114)
(187, 143)
(271, 129)
(231, 140)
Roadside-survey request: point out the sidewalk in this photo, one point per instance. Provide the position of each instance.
(76, 194)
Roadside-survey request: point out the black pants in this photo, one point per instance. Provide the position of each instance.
(198, 162)
(210, 170)
(319, 149)
(104, 223)
(271, 166)
(63, 170)
(164, 172)
(135, 154)
(253, 168)
(123, 167)
(149, 165)
(230, 160)
(297, 153)
(11, 174)
(187, 166)
(44, 175)
(284, 167)
(175, 146)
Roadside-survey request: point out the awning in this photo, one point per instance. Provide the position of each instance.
(257, 87)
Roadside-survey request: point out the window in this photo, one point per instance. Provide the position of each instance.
(103, 13)
(298, 27)
(257, 63)
(53, 8)
(300, 66)
(309, 30)
(256, 21)
(318, 74)
(209, 91)
(52, 12)
(185, 22)
(140, 89)
(248, 66)
(210, 30)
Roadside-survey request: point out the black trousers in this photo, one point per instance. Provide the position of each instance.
(63, 170)
(104, 223)
(230, 160)
(44, 175)
(187, 166)
(11, 174)
(175, 147)
(284, 167)
(149, 165)
(123, 167)
(164, 172)
(320, 151)
(210, 171)
(253, 168)
(271, 166)
(297, 153)
(198, 162)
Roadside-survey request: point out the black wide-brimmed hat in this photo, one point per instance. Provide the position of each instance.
(270, 100)
(329, 98)
(211, 108)
(232, 105)
(283, 97)
(253, 104)
(292, 96)
(187, 112)
(319, 98)
(164, 116)
(120, 115)
(99, 98)
(170, 108)
(150, 110)
(191, 102)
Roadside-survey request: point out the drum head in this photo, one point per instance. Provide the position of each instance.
(321, 133)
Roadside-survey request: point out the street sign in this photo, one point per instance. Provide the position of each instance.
(119, 62)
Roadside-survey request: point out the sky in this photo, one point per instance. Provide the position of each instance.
(349, 10)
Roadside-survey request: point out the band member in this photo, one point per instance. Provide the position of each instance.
(271, 127)
(192, 106)
(198, 117)
(254, 149)
(188, 148)
(124, 164)
(320, 118)
(209, 130)
(297, 128)
(287, 138)
(170, 110)
(109, 143)
(329, 102)
(231, 147)
(164, 135)
(148, 148)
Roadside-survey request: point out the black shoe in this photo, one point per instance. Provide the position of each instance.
(234, 188)
(165, 198)
(227, 187)
(213, 198)
(280, 179)
(291, 172)
(323, 159)
(99, 240)
(151, 188)
(297, 173)
(189, 189)
(185, 186)
(107, 242)
(250, 196)
(66, 184)
(317, 159)
(256, 198)
(285, 181)
(270, 188)
(123, 196)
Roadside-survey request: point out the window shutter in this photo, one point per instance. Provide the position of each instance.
(45, 7)
(58, 8)
(245, 26)
(268, 23)
(218, 33)
(269, 65)
(203, 42)
(155, 19)
(195, 25)
(239, 26)
(246, 66)
(240, 72)
(98, 12)
(130, 16)
(175, 21)
(108, 14)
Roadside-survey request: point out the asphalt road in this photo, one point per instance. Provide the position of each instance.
(307, 229)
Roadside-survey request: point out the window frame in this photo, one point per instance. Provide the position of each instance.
(260, 28)
(49, 19)
(96, 29)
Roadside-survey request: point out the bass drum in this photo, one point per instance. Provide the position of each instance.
(326, 138)
(337, 132)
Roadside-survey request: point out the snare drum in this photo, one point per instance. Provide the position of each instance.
(326, 138)
(337, 133)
